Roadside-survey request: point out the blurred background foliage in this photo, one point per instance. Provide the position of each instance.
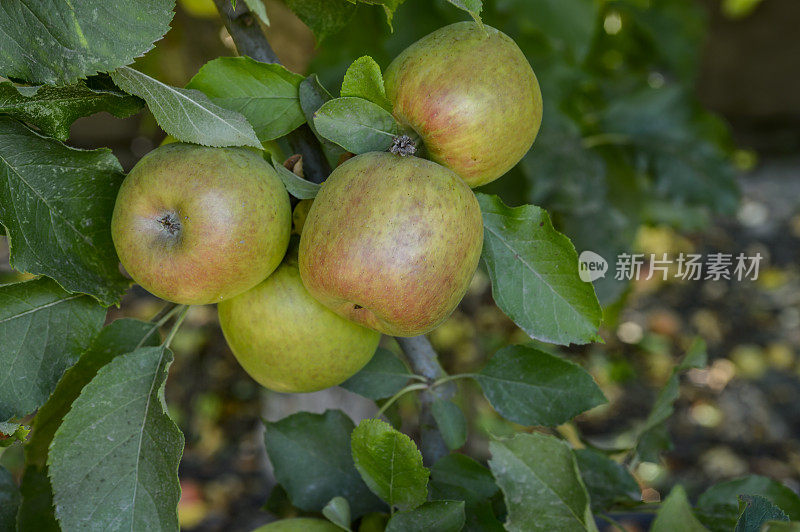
(670, 126)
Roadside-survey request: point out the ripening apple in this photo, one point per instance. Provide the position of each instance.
(391, 243)
(289, 342)
(197, 225)
(471, 95)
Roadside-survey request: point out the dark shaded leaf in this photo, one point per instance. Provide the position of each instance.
(607, 482)
(451, 422)
(718, 507)
(58, 42)
(9, 501)
(757, 512)
(441, 516)
(56, 203)
(532, 387)
(43, 331)
(382, 377)
(54, 109)
(312, 460)
(324, 17)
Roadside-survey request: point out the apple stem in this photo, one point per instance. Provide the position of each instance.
(246, 32)
(176, 325)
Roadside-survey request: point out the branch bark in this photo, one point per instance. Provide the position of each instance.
(251, 41)
(246, 32)
(424, 361)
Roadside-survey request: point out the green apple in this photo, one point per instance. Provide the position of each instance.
(471, 95)
(391, 243)
(300, 524)
(289, 342)
(198, 225)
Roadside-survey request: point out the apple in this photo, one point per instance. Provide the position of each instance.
(289, 342)
(197, 225)
(391, 242)
(299, 524)
(471, 96)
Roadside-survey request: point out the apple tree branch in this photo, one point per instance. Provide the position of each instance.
(251, 41)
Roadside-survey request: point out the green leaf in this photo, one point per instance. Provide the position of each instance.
(651, 439)
(188, 115)
(441, 516)
(607, 482)
(324, 17)
(338, 512)
(11, 433)
(357, 125)
(390, 464)
(56, 204)
(534, 273)
(389, 7)
(311, 457)
(757, 511)
(9, 501)
(54, 109)
(312, 96)
(473, 7)
(541, 484)
(36, 512)
(718, 508)
(296, 186)
(264, 93)
(676, 514)
(58, 42)
(363, 79)
(451, 422)
(114, 460)
(568, 24)
(257, 7)
(459, 477)
(43, 331)
(118, 338)
(382, 377)
(532, 387)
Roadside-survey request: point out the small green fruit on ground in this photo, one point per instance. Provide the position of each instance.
(472, 97)
(289, 342)
(392, 243)
(300, 524)
(198, 225)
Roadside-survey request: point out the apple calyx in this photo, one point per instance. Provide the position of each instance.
(403, 145)
(171, 223)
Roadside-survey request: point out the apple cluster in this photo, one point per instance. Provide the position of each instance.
(389, 245)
